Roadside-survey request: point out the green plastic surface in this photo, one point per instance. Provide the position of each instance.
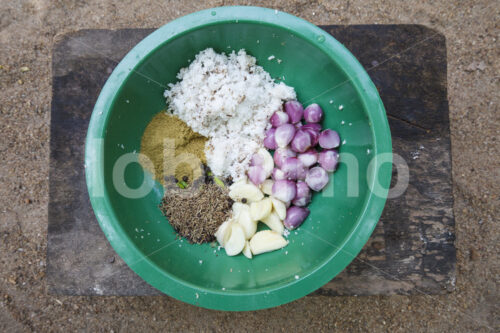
(322, 71)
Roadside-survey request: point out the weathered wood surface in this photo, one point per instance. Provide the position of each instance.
(412, 248)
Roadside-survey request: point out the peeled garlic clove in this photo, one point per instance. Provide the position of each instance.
(249, 225)
(223, 232)
(274, 223)
(266, 241)
(236, 241)
(267, 161)
(238, 207)
(241, 214)
(279, 207)
(243, 180)
(241, 190)
(267, 186)
(260, 209)
(246, 250)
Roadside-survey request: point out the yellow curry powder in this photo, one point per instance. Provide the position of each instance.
(173, 148)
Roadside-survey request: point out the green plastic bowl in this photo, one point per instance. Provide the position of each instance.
(322, 71)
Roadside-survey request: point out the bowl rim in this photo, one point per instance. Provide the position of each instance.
(236, 300)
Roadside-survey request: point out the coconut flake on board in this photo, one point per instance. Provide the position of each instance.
(229, 99)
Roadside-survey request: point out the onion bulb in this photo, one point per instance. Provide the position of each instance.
(278, 174)
(309, 157)
(284, 190)
(269, 141)
(313, 113)
(281, 154)
(256, 174)
(303, 196)
(294, 110)
(329, 139)
(279, 118)
(295, 216)
(284, 135)
(317, 178)
(293, 168)
(301, 141)
(328, 159)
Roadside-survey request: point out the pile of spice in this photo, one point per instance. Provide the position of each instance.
(196, 213)
(167, 139)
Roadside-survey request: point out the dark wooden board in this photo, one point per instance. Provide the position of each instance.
(412, 248)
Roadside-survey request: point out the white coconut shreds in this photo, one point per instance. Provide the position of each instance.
(229, 99)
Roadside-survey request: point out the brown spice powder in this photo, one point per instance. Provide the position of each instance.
(196, 214)
(173, 148)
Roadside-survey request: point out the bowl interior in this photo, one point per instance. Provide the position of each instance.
(317, 78)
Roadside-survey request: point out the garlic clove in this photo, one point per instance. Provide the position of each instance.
(223, 232)
(260, 209)
(267, 186)
(274, 223)
(246, 250)
(268, 162)
(266, 241)
(250, 192)
(249, 225)
(280, 208)
(236, 242)
(238, 207)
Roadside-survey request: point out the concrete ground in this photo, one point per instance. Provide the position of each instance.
(28, 29)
